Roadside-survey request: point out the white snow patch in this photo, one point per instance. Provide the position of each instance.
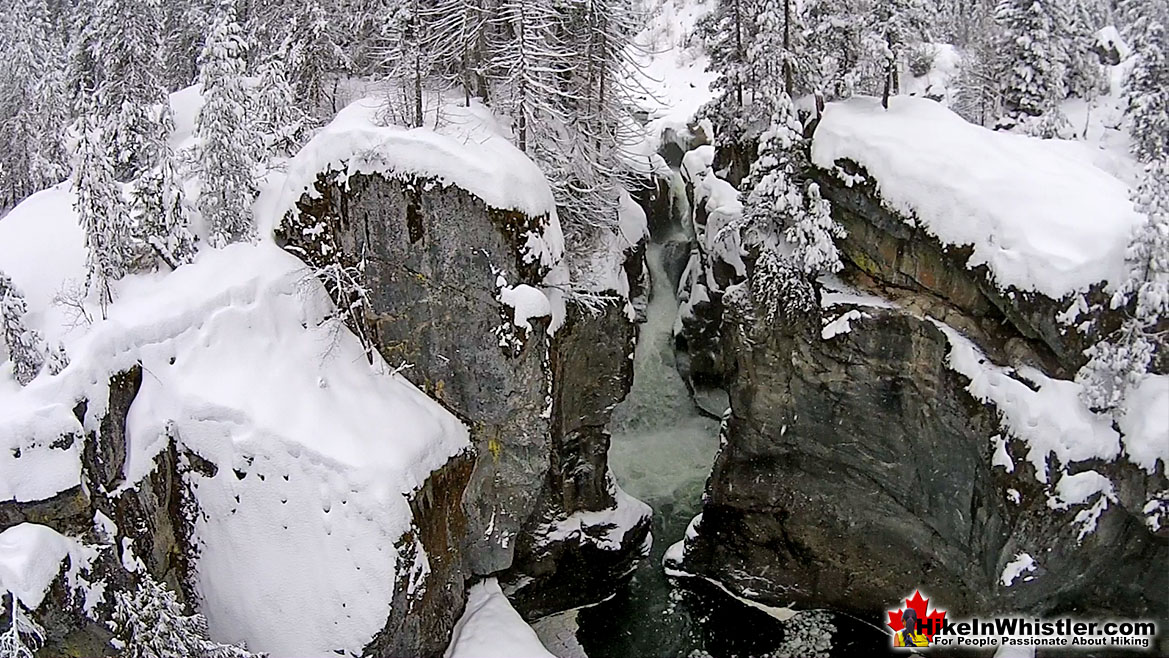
(1023, 563)
(467, 151)
(1050, 420)
(1001, 456)
(30, 560)
(491, 628)
(604, 528)
(1041, 217)
(525, 301)
(1145, 423)
(842, 324)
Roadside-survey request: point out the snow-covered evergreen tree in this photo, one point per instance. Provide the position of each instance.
(24, 346)
(1034, 42)
(777, 57)
(977, 96)
(24, 637)
(129, 94)
(279, 121)
(313, 54)
(152, 624)
(33, 102)
(1147, 84)
(779, 287)
(1121, 360)
(162, 215)
(895, 25)
(834, 36)
(227, 144)
(185, 24)
(101, 209)
(729, 31)
(780, 212)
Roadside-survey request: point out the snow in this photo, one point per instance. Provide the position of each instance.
(1040, 216)
(43, 248)
(315, 449)
(30, 560)
(1051, 420)
(525, 301)
(724, 209)
(1001, 456)
(674, 82)
(836, 293)
(606, 528)
(1145, 423)
(491, 628)
(468, 152)
(1023, 563)
(842, 324)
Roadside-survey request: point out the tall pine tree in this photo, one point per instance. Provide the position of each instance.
(228, 146)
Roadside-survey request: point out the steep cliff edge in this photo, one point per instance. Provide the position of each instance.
(915, 426)
(322, 454)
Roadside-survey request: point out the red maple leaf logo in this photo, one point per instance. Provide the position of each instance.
(931, 622)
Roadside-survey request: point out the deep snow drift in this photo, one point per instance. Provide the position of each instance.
(1038, 213)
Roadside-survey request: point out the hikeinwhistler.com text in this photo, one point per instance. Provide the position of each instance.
(1061, 632)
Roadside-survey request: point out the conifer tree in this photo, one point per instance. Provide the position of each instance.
(1033, 43)
(312, 54)
(24, 346)
(100, 207)
(227, 144)
(33, 102)
(152, 624)
(1121, 360)
(1146, 89)
(780, 212)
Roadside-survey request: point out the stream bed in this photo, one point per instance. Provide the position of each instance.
(662, 451)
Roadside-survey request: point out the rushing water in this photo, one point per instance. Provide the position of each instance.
(662, 451)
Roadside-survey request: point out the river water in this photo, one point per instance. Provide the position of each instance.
(662, 451)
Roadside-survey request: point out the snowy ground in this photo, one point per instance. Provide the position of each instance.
(317, 449)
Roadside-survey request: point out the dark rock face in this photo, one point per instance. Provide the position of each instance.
(857, 469)
(592, 372)
(419, 622)
(884, 246)
(431, 265)
(536, 407)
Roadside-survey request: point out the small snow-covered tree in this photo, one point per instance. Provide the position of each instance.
(152, 624)
(895, 25)
(23, 637)
(977, 94)
(100, 207)
(1120, 361)
(162, 214)
(834, 36)
(1033, 40)
(779, 287)
(782, 213)
(25, 347)
(280, 123)
(1146, 87)
(227, 144)
(313, 53)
